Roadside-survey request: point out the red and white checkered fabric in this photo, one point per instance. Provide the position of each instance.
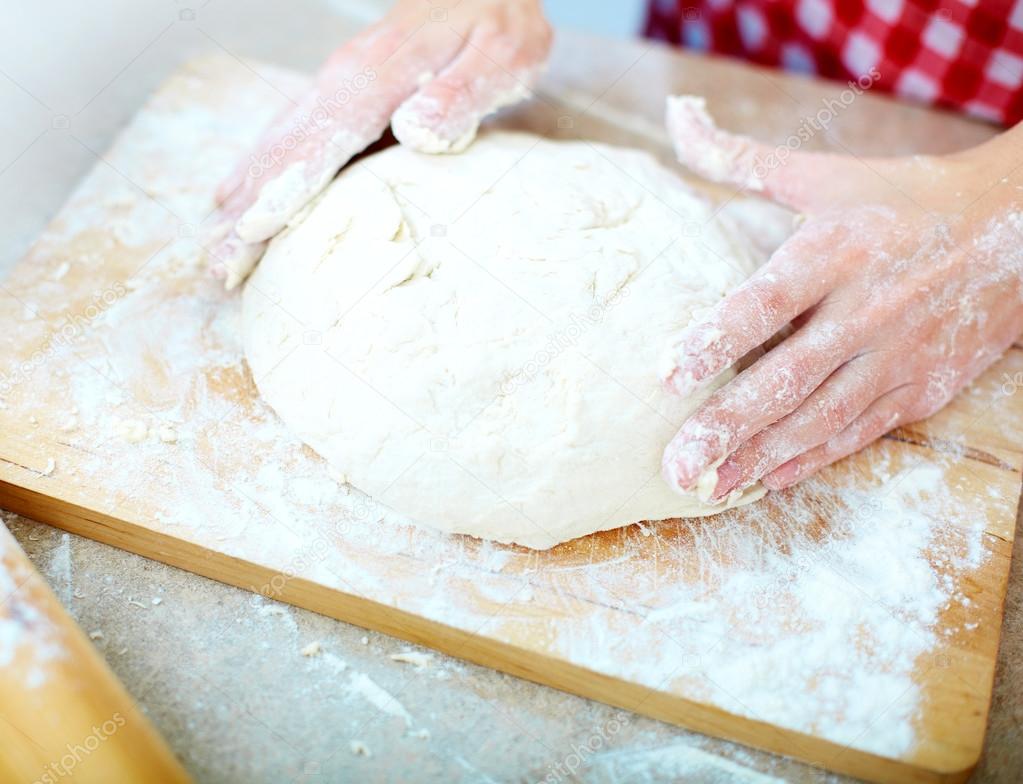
(953, 53)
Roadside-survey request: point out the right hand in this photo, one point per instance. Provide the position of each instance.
(430, 69)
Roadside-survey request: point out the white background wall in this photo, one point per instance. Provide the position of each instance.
(604, 17)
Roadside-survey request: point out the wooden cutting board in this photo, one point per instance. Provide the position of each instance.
(852, 622)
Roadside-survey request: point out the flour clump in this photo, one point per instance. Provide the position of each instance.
(473, 339)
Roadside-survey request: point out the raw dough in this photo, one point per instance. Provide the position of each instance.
(473, 339)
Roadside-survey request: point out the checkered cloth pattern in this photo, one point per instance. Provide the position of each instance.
(958, 54)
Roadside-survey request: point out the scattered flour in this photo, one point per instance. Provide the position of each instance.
(60, 571)
(381, 699)
(419, 660)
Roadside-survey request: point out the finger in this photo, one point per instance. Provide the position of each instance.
(882, 416)
(357, 92)
(829, 409)
(488, 74)
(233, 181)
(794, 280)
(233, 259)
(286, 119)
(773, 387)
(306, 169)
(288, 128)
(790, 177)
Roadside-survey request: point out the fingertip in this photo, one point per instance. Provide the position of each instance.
(683, 462)
(444, 114)
(729, 477)
(419, 125)
(679, 382)
(278, 200)
(700, 145)
(688, 380)
(232, 260)
(686, 366)
(670, 466)
(669, 473)
(688, 374)
(682, 112)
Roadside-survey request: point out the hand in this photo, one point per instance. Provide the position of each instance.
(902, 283)
(430, 69)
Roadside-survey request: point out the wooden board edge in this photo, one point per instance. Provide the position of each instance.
(508, 658)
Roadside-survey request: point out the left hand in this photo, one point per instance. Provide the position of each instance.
(903, 282)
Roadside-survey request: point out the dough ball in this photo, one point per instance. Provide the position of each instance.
(473, 339)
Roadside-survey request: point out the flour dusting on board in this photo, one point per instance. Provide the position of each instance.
(824, 609)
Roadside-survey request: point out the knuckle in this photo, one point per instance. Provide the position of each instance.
(770, 301)
(794, 376)
(834, 412)
(444, 92)
(519, 40)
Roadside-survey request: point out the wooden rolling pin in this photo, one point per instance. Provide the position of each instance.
(63, 714)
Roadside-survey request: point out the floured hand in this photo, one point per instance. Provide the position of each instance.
(902, 283)
(432, 70)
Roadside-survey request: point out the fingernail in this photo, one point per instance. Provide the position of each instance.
(729, 475)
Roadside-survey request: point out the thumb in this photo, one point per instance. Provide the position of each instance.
(796, 179)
